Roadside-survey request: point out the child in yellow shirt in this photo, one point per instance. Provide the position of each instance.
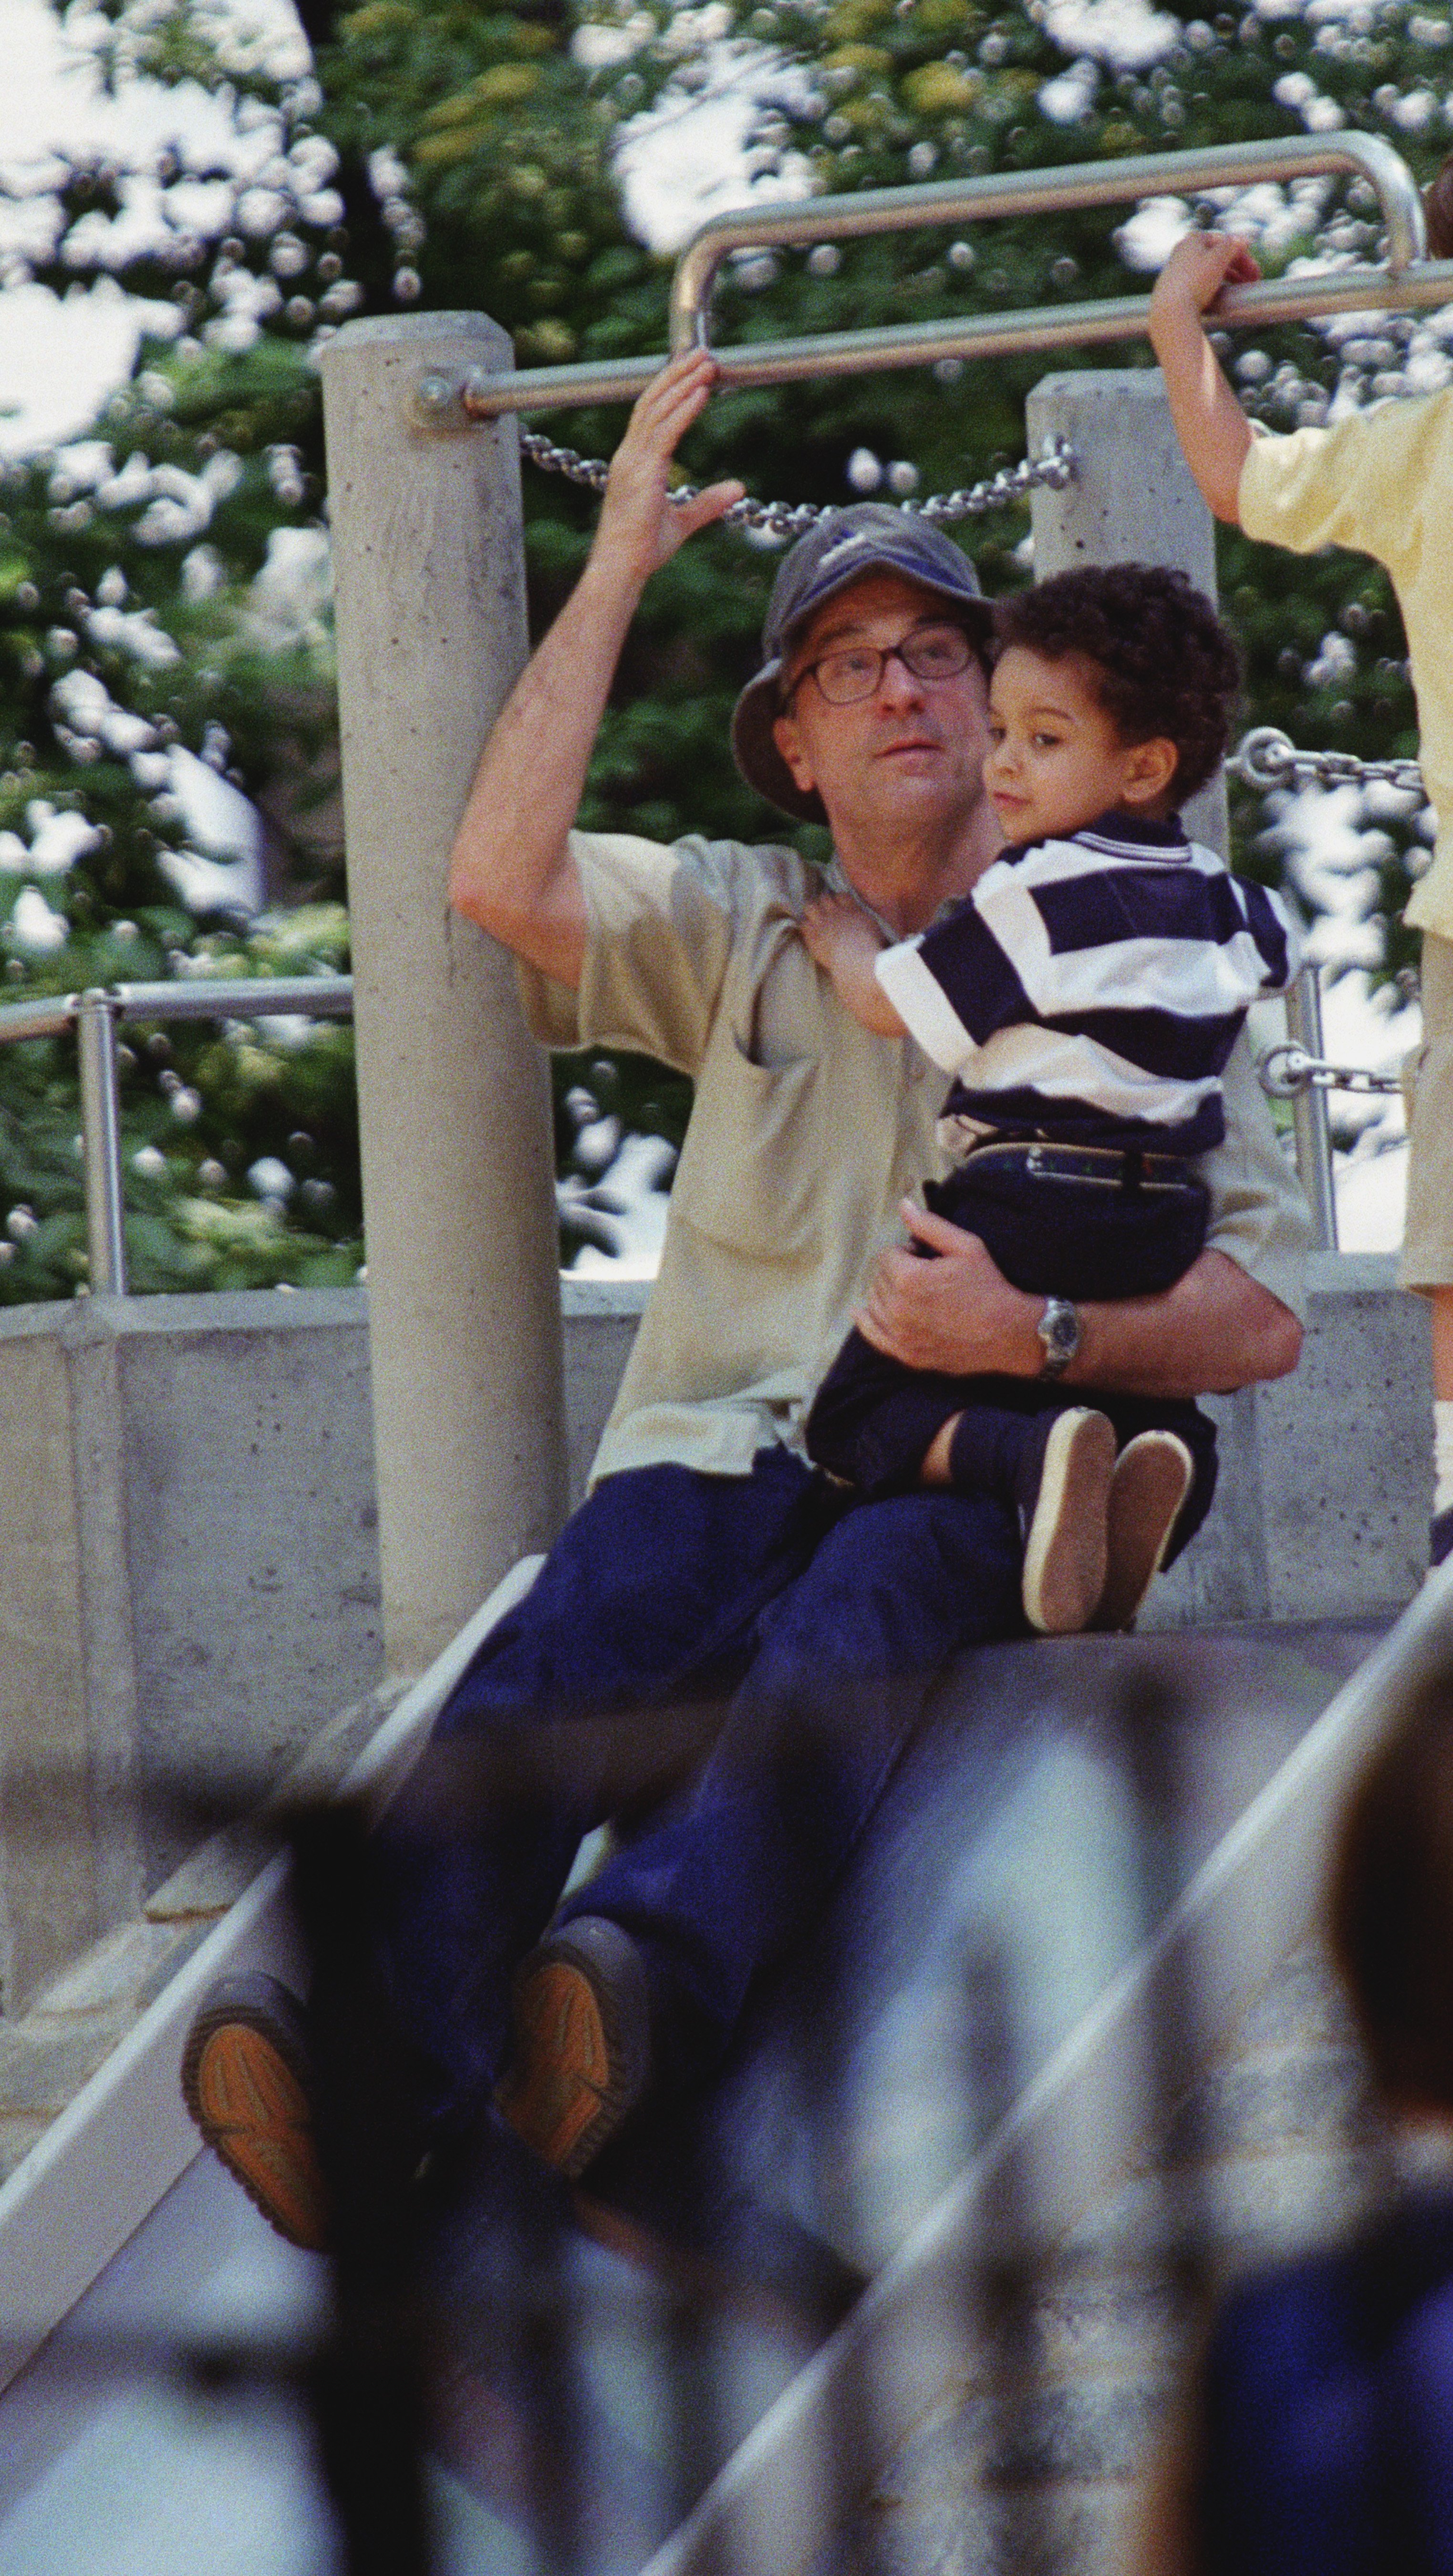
(1380, 481)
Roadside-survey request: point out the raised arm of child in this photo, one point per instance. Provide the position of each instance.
(846, 945)
(1210, 423)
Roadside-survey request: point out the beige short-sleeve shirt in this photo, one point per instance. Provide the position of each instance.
(806, 1132)
(1381, 481)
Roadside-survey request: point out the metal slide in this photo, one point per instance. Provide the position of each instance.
(1013, 1822)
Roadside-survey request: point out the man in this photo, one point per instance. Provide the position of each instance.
(714, 1594)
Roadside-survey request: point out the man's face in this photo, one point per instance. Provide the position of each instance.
(912, 753)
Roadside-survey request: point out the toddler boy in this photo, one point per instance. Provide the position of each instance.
(1380, 481)
(1085, 996)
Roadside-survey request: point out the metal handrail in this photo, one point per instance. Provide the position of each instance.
(1311, 1127)
(1408, 281)
(96, 1015)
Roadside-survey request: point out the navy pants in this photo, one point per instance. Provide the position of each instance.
(734, 1664)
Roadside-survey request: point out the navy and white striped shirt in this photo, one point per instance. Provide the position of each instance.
(1091, 989)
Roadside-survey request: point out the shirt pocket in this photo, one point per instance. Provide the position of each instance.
(750, 1174)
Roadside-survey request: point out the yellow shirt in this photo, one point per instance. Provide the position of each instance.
(806, 1132)
(1382, 481)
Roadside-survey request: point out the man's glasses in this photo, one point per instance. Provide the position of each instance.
(934, 652)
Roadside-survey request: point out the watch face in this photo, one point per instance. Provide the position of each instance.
(1059, 1331)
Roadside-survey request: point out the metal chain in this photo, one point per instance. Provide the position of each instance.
(1286, 1070)
(1054, 467)
(1266, 759)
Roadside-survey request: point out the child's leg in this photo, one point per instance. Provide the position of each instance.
(873, 1418)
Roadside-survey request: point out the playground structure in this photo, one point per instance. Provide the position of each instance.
(463, 1295)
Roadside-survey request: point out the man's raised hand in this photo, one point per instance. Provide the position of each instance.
(640, 526)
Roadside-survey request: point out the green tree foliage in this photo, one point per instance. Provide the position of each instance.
(161, 585)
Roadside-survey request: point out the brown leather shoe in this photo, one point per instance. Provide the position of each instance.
(1152, 1478)
(581, 2058)
(247, 2083)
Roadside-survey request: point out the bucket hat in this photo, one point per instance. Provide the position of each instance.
(871, 536)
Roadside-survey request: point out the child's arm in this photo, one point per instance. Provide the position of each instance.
(846, 946)
(1210, 423)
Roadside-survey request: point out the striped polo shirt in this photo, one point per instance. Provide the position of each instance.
(1092, 988)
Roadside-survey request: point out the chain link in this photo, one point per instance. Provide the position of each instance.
(1287, 1069)
(1266, 758)
(1054, 467)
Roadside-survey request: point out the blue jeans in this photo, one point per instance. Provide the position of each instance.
(734, 1662)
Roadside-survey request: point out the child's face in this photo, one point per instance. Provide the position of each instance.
(1056, 759)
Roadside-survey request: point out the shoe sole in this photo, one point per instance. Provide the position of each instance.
(1152, 1478)
(244, 2081)
(578, 2063)
(1065, 1554)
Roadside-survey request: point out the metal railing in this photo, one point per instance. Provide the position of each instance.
(1408, 280)
(95, 1015)
(1280, 1070)
(1294, 1069)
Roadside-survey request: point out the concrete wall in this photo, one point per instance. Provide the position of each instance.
(1326, 1477)
(189, 1565)
(188, 1575)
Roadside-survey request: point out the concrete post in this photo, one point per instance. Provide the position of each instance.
(1133, 500)
(463, 1266)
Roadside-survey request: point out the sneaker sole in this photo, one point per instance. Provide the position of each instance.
(244, 2081)
(1152, 1478)
(1065, 1555)
(578, 2063)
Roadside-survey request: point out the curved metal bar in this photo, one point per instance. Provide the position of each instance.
(1044, 192)
(1408, 282)
(96, 1015)
(478, 396)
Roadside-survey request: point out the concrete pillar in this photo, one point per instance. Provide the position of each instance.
(463, 1265)
(1133, 500)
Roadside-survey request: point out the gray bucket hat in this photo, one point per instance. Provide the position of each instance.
(871, 536)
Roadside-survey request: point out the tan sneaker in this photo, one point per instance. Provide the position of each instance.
(1152, 1478)
(1063, 1492)
(581, 2057)
(247, 2083)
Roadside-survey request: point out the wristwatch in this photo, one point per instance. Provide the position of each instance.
(1059, 1330)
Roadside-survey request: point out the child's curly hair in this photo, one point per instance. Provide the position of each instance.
(1164, 663)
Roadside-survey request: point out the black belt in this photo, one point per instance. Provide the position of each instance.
(1125, 1167)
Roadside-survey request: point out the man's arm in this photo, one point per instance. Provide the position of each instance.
(1216, 1329)
(1210, 423)
(511, 869)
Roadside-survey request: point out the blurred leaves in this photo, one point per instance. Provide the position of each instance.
(164, 583)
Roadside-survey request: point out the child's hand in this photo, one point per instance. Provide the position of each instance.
(839, 934)
(1197, 269)
(845, 943)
